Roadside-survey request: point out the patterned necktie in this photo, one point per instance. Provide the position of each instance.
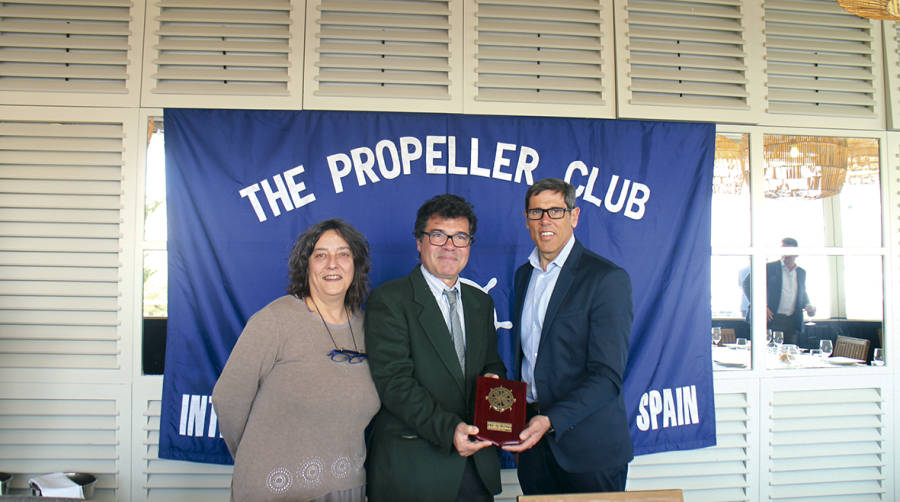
(459, 342)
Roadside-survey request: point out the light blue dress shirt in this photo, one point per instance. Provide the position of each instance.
(437, 288)
(537, 298)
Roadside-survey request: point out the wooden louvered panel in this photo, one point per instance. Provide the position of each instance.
(198, 52)
(513, 54)
(177, 480)
(63, 427)
(379, 52)
(822, 84)
(60, 201)
(892, 72)
(56, 215)
(80, 230)
(546, 83)
(697, 89)
(58, 332)
(60, 47)
(59, 186)
(377, 77)
(58, 288)
(821, 61)
(379, 49)
(83, 303)
(655, 73)
(818, 97)
(60, 231)
(542, 42)
(74, 271)
(827, 443)
(541, 55)
(385, 63)
(59, 244)
(504, 26)
(546, 69)
(686, 54)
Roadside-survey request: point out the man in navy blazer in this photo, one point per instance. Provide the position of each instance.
(573, 314)
(786, 297)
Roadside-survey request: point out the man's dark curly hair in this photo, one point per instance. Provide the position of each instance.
(298, 263)
(446, 206)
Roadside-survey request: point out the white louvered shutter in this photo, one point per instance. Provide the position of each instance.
(721, 472)
(531, 57)
(891, 32)
(70, 52)
(828, 441)
(223, 54)
(66, 427)
(823, 66)
(164, 480)
(60, 244)
(689, 60)
(383, 55)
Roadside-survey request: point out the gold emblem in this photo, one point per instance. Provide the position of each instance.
(500, 398)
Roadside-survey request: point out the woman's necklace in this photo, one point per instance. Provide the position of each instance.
(349, 324)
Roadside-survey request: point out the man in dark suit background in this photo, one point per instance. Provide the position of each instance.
(786, 297)
(573, 314)
(426, 350)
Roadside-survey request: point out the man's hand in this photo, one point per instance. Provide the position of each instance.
(810, 310)
(769, 314)
(465, 446)
(492, 375)
(537, 427)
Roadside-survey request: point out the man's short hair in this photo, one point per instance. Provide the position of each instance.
(448, 206)
(554, 185)
(789, 242)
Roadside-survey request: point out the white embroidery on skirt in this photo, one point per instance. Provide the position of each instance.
(279, 480)
(340, 469)
(311, 471)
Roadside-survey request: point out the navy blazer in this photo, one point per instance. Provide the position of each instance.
(773, 292)
(581, 360)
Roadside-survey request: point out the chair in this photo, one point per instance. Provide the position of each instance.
(728, 336)
(854, 348)
(633, 496)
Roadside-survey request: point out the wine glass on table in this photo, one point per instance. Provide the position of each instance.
(878, 357)
(716, 335)
(778, 339)
(826, 347)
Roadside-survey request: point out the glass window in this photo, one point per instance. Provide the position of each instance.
(154, 258)
(818, 192)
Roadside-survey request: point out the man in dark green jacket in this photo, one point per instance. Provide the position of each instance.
(429, 336)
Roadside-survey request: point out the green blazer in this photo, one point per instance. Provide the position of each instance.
(424, 394)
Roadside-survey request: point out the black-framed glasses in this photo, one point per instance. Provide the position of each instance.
(554, 213)
(347, 355)
(460, 240)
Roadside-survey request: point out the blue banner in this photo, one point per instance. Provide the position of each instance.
(242, 185)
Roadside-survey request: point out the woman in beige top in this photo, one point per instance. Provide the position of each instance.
(296, 394)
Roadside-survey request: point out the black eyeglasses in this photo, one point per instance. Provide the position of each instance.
(555, 213)
(347, 355)
(460, 240)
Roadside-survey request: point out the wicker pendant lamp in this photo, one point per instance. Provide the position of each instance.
(873, 9)
(804, 167)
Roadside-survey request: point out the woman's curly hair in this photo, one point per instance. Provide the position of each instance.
(298, 263)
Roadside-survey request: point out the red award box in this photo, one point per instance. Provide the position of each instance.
(499, 410)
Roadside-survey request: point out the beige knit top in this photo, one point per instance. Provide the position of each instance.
(292, 418)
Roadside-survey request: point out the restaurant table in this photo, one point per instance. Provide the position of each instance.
(731, 357)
